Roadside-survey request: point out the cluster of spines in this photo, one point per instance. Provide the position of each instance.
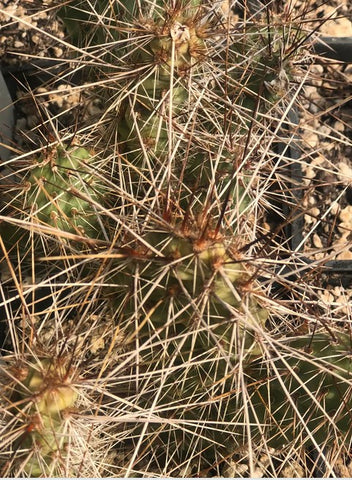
(38, 392)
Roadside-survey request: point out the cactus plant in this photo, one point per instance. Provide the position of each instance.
(56, 198)
(315, 371)
(51, 386)
(40, 393)
(194, 104)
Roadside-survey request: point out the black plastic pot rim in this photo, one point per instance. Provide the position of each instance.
(294, 229)
(335, 48)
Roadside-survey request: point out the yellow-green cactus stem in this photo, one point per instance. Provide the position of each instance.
(44, 391)
(49, 379)
(175, 43)
(59, 192)
(190, 267)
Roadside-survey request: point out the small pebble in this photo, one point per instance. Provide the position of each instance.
(327, 297)
(36, 39)
(314, 212)
(18, 44)
(58, 52)
(311, 139)
(339, 126)
(334, 208)
(310, 173)
(346, 215)
(308, 220)
(317, 241)
(345, 255)
(324, 130)
(345, 172)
